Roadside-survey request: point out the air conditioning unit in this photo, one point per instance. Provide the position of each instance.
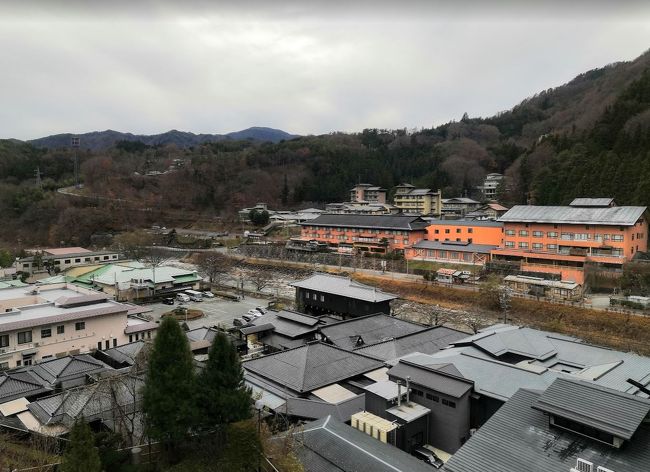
(583, 466)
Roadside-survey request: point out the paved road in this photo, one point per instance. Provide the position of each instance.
(218, 311)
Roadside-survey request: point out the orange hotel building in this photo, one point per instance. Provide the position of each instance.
(367, 233)
(566, 239)
(458, 241)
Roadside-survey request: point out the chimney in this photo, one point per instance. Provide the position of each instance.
(399, 393)
(408, 389)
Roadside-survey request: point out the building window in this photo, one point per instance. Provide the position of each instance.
(510, 232)
(60, 329)
(538, 234)
(67, 261)
(77, 260)
(523, 245)
(617, 237)
(433, 398)
(99, 346)
(470, 230)
(4, 365)
(448, 403)
(322, 298)
(523, 232)
(46, 333)
(551, 246)
(510, 244)
(107, 344)
(24, 337)
(457, 230)
(447, 231)
(4, 340)
(538, 245)
(80, 325)
(130, 338)
(437, 231)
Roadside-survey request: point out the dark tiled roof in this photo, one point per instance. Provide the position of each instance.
(311, 366)
(371, 329)
(518, 438)
(432, 378)
(257, 328)
(474, 223)
(327, 445)
(390, 222)
(427, 342)
(65, 368)
(298, 317)
(17, 385)
(602, 408)
(344, 287)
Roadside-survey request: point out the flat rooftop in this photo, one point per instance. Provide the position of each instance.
(25, 307)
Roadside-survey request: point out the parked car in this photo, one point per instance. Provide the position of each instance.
(261, 310)
(208, 294)
(428, 457)
(248, 318)
(239, 322)
(168, 301)
(181, 297)
(254, 313)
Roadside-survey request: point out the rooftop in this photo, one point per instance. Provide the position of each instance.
(457, 246)
(518, 437)
(463, 222)
(614, 216)
(311, 366)
(604, 409)
(592, 202)
(428, 341)
(25, 307)
(327, 445)
(344, 287)
(540, 281)
(408, 411)
(366, 330)
(390, 222)
(443, 378)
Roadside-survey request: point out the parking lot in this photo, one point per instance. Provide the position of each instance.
(218, 311)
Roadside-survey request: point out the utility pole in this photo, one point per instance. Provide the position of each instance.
(74, 143)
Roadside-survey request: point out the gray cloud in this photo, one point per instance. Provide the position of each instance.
(305, 67)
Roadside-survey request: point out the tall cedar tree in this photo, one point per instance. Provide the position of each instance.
(81, 454)
(223, 398)
(168, 394)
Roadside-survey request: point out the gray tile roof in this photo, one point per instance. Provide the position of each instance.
(428, 341)
(518, 438)
(605, 409)
(371, 329)
(311, 366)
(125, 354)
(332, 446)
(389, 222)
(54, 371)
(257, 328)
(285, 326)
(298, 317)
(344, 287)
(200, 334)
(429, 377)
(616, 216)
(457, 246)
(15, 385)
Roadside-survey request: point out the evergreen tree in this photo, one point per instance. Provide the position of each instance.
(81, 454)
(168, 401)
(223, 398)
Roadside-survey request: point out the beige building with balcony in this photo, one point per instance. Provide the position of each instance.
(423, 201)
(48, 321)
(367, 193)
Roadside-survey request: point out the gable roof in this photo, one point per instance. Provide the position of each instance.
(15, 385)
(311, 366)
(344, 287)
(457, 246)
(52, 371)
(604, 409)
(329, 445)
(390, 222)
(518, 437)
(125, 354)
(427, 341)
(371, 329)
(436, 378)
(615, 216)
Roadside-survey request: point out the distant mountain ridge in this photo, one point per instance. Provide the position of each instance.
(99, 140)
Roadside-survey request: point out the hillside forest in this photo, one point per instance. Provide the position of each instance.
(589, 137)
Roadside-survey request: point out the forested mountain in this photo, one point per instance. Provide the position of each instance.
(589, 137)
(101, 140)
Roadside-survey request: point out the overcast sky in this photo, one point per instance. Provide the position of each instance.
(305, 67)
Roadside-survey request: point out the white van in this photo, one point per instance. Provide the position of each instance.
(181, 297)
(194, 295)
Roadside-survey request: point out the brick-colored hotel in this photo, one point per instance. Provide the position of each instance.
(561, 240)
